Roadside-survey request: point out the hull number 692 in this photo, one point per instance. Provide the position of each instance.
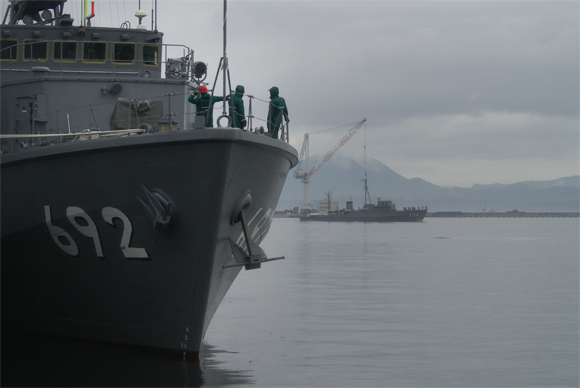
(87, 227)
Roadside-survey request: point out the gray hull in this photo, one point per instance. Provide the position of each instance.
(81, 257)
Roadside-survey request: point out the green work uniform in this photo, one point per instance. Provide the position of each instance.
(238, 115)
(276, 110)
(203, 109)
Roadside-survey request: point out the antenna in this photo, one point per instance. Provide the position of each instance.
(367, 194)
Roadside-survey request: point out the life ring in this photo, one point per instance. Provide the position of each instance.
(227, 117)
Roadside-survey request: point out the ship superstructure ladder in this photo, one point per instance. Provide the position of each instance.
(301, 173)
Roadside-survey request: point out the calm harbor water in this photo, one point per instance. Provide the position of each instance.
(442, 303)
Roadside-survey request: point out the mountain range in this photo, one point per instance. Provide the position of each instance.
(343, 177)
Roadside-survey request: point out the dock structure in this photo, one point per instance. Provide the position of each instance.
(459, 214)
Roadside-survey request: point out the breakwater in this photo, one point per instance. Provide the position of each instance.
(510, 214)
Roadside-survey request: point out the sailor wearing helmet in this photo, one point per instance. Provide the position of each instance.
(203, 104)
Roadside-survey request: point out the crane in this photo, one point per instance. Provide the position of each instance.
(304, 154)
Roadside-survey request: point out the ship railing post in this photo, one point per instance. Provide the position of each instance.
(164, 60)
(61, 42)
(129, 117)
(250, 115)
(169, 106)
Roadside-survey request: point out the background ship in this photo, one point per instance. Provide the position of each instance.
(383, 211)
(123, 219)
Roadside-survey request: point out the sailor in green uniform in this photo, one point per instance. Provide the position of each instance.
(276, 110)
(203, 104)
(238, 115)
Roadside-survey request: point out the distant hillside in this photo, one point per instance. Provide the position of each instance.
(570, 181)
(343, 177)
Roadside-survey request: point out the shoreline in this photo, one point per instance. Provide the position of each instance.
(459, 214)
(510, 214)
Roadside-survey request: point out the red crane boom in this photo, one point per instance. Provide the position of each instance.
(339, 145)
(303, 175)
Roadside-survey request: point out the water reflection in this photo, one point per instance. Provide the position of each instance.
(214, 375)
(37, 360)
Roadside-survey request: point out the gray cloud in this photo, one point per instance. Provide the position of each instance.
(455, 92)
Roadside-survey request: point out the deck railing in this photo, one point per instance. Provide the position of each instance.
(174, 61)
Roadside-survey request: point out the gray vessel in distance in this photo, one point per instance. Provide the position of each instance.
(383, 211)
(124, 219)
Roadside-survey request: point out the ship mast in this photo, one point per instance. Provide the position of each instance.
(223, 65)
(328, 197)
(367, 194)
(225, 58)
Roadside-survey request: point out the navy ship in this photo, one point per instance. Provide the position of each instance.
(125, 219)
(383, 211)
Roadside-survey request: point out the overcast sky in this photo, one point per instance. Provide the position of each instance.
(454, 92)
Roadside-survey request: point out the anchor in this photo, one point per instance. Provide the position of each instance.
(255, 256)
